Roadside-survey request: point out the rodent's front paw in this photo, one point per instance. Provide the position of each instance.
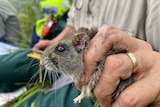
(79, 98)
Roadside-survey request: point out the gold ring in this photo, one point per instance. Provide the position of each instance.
(134, 61)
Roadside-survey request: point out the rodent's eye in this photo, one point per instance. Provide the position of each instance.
(61, 48)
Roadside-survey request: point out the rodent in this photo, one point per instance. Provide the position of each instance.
(66, 56)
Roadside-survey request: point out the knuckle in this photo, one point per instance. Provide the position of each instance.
(99, 93)
(105, 28)
(147, 45)
(128, 99)
(113, 62)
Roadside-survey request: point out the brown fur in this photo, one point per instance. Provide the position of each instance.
(66, 57)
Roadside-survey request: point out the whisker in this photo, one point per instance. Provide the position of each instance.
(36, 82)
(44, 77)
(50, 77)
(57, 75)
(43, 68)
(36, 64)
(53, 77)
(32, 78)
(55, 86)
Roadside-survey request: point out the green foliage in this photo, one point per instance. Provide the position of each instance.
(96, 104)
(27, 16)
(17, 101)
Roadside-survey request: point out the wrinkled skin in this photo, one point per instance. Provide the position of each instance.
(146, 89)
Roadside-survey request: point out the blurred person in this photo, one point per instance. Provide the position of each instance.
(10, 30)
(52, 21)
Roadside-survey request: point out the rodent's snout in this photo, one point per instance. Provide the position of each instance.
(41, 63)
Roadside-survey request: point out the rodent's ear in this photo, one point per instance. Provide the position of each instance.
(80, 40)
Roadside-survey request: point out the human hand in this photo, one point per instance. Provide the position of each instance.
(41, 45)
(146, 88)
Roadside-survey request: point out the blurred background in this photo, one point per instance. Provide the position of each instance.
(28, 13)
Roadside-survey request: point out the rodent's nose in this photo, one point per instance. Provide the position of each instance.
(54, 61)
(41, 63)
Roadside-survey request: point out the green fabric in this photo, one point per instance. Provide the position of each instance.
(16, 68)
(62, 97)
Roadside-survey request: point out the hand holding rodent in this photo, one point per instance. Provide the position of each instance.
(66, 56)
(42, 44)
(145, 90)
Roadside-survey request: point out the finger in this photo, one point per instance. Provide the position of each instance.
(93, 54)
(103, 41)
(146, 89)
(95, 51)
(37, 46)
(116, 67)
(41, 45)
(140, 94)
(114, 38)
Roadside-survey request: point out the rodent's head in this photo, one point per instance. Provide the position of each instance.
(66, 56)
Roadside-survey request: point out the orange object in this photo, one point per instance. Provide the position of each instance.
(48, 25)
